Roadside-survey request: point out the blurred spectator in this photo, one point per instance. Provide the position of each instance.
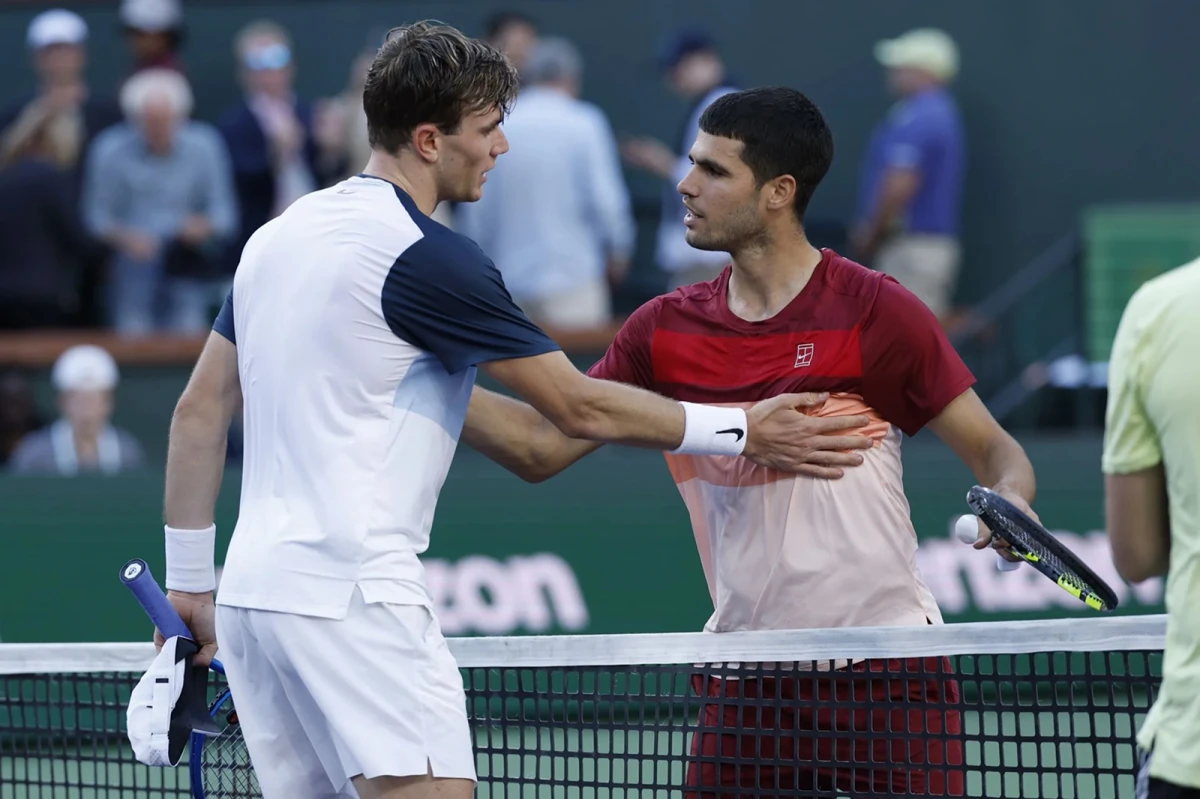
(910, 194)
(43, 243)
(83, 438)
(340, 124)
(154, 30)
(18, 412)
(513, 34)
(270, 135)
(57, 41)
(555, 214)
(159, 190)
(696, 72)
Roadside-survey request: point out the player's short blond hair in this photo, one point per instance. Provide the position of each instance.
(429, 72)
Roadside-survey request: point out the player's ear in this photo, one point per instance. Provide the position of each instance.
(780, 192)
(426, 141)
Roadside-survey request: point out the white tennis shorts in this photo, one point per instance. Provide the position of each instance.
(323, 700)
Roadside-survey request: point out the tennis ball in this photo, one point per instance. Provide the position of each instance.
(966, 529)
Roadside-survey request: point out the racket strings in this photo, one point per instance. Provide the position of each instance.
(226, 766)
(1044, 554)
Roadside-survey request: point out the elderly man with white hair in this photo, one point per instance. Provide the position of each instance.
(83, 439)
(159, 189)
(912, 179)
(556, 215)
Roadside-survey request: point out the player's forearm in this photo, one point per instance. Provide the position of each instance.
(516, 436)
(619, 414)
(1004, 464)
(602, 411)
(195, 465)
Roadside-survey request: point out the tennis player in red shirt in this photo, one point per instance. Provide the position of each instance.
(788, 551)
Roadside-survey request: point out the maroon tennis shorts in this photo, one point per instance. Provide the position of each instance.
(877, 728)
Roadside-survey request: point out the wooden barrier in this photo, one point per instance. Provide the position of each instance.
(39, 349)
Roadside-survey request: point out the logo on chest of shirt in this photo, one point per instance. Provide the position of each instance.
(804, 355)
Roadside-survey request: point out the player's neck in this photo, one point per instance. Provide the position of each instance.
(414, 181)
(768, 275)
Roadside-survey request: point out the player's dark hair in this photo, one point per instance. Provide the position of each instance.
(497, 23)
(782, 133)
(428, 72)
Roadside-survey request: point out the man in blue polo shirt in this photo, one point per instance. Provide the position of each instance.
(911, 187)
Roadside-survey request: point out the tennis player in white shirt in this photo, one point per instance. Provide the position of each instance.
(350, 341)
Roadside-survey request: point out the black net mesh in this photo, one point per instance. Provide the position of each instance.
(1047, 724)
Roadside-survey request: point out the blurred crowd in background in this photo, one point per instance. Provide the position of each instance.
(121, 210)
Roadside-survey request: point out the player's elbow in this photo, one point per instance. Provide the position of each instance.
(197, 412)
(580, 413)
(537, 472)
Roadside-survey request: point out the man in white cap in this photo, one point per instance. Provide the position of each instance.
(57, 42)
(154, 29)
(83, 439)
(911, 186)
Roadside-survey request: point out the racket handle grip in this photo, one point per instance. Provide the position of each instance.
(138, 579)
(1005, 565)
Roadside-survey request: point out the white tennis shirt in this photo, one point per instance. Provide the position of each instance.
(358, 323)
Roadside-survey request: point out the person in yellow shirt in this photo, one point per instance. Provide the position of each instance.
(1151, 469)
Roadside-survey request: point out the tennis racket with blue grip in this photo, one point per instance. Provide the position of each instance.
(219, 765)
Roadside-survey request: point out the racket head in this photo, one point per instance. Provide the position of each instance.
(1038, 547)
(219, 765)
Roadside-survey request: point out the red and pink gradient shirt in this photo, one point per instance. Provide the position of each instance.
(782, 551)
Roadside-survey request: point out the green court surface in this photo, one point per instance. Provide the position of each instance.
(1038, 758)
(105, 774)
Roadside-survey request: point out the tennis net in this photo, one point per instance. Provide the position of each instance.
(1009, 709)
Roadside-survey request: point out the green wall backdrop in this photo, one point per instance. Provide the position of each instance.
(603, 548)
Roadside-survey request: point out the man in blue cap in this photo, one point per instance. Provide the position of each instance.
(688, 57)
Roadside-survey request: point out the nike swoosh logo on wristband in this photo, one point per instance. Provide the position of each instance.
(736, 431)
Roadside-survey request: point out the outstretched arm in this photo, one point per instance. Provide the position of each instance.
(519, 438)
(573, 415)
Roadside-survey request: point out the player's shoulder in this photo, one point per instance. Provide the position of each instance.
(1166, 301)
(443, 247)
(1180, 285)
(871, 299)
(851, 279)
(695, 298)
(689, 308)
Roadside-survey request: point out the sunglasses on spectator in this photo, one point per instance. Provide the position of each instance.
(272, 56)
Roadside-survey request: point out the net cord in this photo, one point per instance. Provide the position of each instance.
(1094, 634)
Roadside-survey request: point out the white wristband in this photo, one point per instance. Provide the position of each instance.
(709, 430)
(190, 559)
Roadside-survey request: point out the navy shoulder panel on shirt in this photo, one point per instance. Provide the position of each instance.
(448, 298)
(224, 320)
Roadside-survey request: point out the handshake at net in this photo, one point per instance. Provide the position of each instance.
(782, 436)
